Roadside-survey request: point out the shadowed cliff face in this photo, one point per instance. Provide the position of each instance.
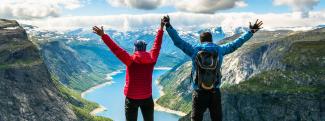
(27, 92)
(275, 76)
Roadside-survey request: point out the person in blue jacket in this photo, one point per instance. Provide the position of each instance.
(203, 98)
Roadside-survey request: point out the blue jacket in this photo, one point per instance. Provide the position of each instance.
(191, 51)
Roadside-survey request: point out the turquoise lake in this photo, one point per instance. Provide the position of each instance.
(112, 98)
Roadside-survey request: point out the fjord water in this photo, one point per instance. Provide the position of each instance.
(112, 98)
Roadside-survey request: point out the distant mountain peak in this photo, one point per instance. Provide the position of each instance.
(321, 26)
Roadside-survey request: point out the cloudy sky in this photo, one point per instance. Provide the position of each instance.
(128, 14)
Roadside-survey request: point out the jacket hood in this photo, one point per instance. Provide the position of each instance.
(142, 57)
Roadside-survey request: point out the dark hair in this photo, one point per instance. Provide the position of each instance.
(140, 45)
(206, 37)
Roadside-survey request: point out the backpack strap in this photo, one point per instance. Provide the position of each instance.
(204, 67)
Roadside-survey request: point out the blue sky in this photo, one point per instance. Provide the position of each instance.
(102, 7)
(69, 14)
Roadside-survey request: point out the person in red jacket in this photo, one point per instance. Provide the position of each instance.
(139, 69)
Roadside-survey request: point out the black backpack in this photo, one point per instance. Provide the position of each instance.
(207, 69)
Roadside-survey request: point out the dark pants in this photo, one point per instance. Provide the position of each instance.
(202, 100)
(132, 105)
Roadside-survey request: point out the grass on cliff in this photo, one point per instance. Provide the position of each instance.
(304, 73)
(74, 79)
(95, 77)
(88, 79)
(21, 63)
(80, 106)
(15, 55)
(306, 55)
(176, 97)
(277, 81)
(174, 102)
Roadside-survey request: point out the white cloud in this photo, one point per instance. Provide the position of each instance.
(207, 6)
(228, 21)
(302, 6)
(241, 4)
(196, 6)
(30, 9)
(139, 4)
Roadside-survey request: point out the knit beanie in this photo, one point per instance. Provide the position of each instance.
(140, 45)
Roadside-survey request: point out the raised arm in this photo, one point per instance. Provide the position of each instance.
(232, 46)
(187, 48)
(157, 44)
(117, 50)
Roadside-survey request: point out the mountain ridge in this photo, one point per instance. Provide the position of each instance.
(25, 94)
(28, 90)
(87, 51)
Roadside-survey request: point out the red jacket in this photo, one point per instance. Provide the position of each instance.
(139, 67)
